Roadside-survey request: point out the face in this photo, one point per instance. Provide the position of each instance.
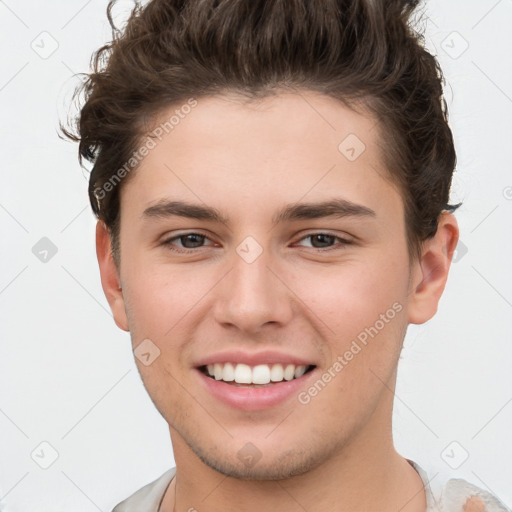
(259, 243)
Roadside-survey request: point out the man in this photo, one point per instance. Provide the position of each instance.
(271, 181)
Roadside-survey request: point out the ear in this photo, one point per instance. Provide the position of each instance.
(110, 279)
(430, 272)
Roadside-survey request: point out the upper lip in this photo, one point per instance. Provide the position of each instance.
(254, 358)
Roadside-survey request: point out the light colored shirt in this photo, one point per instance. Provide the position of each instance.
(450, 498)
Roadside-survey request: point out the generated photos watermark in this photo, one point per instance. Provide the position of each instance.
(144, 149)
(305, 397)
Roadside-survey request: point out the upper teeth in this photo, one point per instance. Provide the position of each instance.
(260, 374)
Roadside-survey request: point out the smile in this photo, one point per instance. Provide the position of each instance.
(259, 375)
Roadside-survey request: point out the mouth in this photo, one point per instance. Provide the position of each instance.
(258, 376)
(255, 381)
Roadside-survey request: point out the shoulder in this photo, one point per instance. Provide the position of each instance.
(456, 494)
(147, 498)
(460, 495)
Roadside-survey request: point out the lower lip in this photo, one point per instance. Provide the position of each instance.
(254, 399)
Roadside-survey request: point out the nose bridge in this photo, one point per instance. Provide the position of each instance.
(252, 295)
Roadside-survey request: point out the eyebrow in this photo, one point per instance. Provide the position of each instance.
(292, 212)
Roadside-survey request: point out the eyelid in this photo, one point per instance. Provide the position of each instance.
(343, 235)
(184, 232)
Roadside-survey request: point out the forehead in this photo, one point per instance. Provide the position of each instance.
(274, 123)
(252, 152)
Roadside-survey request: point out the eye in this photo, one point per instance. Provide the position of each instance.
(324, 241)
(188, 241)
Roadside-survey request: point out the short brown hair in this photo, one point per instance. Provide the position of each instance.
(357, 51)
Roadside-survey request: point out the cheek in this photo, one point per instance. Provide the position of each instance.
(161, 296)
(353, 295)
(366, 321)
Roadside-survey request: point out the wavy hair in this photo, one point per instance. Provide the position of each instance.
(361, 52)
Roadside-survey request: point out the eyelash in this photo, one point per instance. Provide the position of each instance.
(341, 241)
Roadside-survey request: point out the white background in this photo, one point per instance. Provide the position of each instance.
(67, 375)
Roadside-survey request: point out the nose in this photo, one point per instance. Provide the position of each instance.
(252, 295)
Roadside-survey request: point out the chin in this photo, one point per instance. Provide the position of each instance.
(280, 466)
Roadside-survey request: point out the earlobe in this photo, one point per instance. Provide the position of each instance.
(430, 273)
(110, 279)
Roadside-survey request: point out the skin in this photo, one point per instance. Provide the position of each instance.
(248, 161)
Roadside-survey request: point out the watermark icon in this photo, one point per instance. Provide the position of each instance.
(249, 250)
(507, 193)
(351, 147)
(305, 397)
(44, 455)
(454, 45)
(249, 454)
(460, 251)
(44, 250)
(45, 45)
(146, 352)
(144, 150)
(455, 455)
